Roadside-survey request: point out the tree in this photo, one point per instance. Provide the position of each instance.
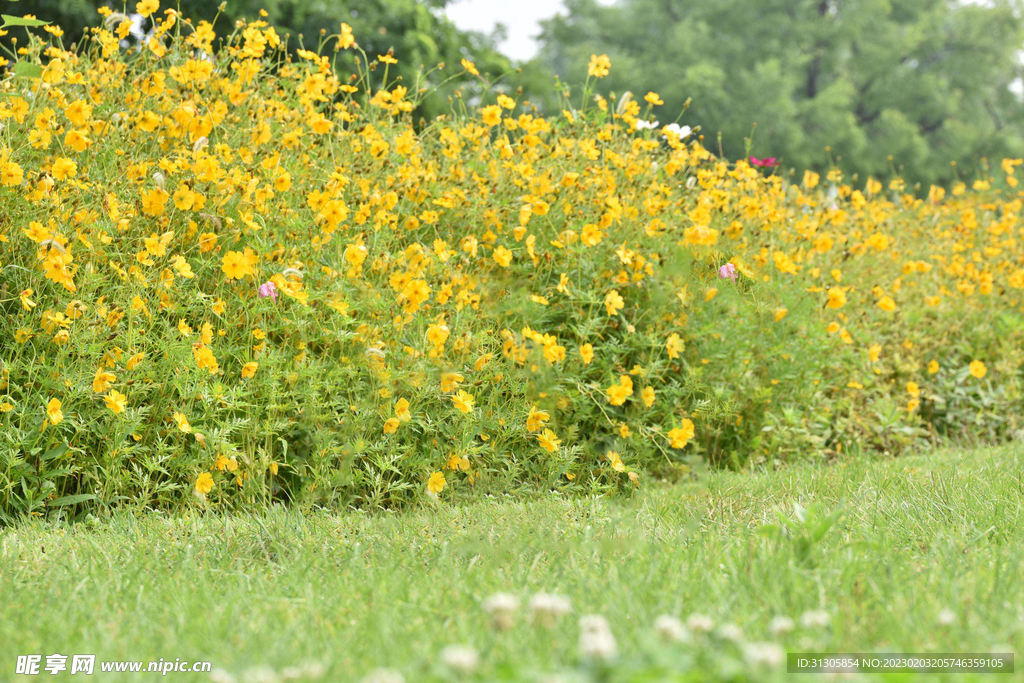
(872, 84)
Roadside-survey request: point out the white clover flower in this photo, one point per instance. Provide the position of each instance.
(221, 676)
(730, 632)
(815, 619)
(260, 674)
(547, 609)
(596, 639)
(461, 658)
(769, 655)
(947, 617)
(671, 629)
(699, 623)
(780, 626)
(502, 607)
(384, 676)
(307, 671)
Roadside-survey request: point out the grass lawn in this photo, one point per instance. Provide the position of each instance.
(925, 556)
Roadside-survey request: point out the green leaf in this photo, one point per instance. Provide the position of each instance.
(72, 500)
(21, 21)
(56, 452)
(27, 70)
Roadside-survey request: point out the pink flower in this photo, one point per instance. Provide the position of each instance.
(727, 272)
(767, 161)
(268, 288)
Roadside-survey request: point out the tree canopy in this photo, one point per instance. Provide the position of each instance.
(872, 84)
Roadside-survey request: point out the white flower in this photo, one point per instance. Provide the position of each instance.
(764, 654)
(671, 629)
(502, 607)
(596, 639)
(815, 619)
(780, 626)
(546, 608)
(260, 674)
(461, 658)
(308, 671)
(730, 632)
(646, 125)
(680, 131)
(384, 676)
(699, 623)
(947, 617)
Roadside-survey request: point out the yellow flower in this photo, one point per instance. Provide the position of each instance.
(147, 7)
(345, 37)
(491, 115)
(249, 369)
(391, 425)
(618, 393)
(599, 66)
(204, 483)
(549, 441)
(700, 235)
(154, 202)
(887, 304)
(977, 369)
(536, 419)
(780, 313)
(616, 461)
(933, 367)
(463, 401)
(587, 353)
(681, 435)
(53, 411)
(235, 265)
(115, 400)
(674, 345)
(913, 389)
(503, 257)
(653, 98)
(102, 381)
(647, 395)
(836, 297)
(470, 67)
(613, 302)
(182, 422)
(436, 483)
(402, 410)
(874, 352)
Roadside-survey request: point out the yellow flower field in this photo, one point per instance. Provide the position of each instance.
(230, 277)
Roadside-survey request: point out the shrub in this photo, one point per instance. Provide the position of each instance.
(231, 278)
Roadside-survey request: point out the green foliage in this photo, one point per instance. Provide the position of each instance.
(874, 84)
(923, 561)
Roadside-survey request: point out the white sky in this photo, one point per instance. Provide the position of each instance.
(520, 17)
